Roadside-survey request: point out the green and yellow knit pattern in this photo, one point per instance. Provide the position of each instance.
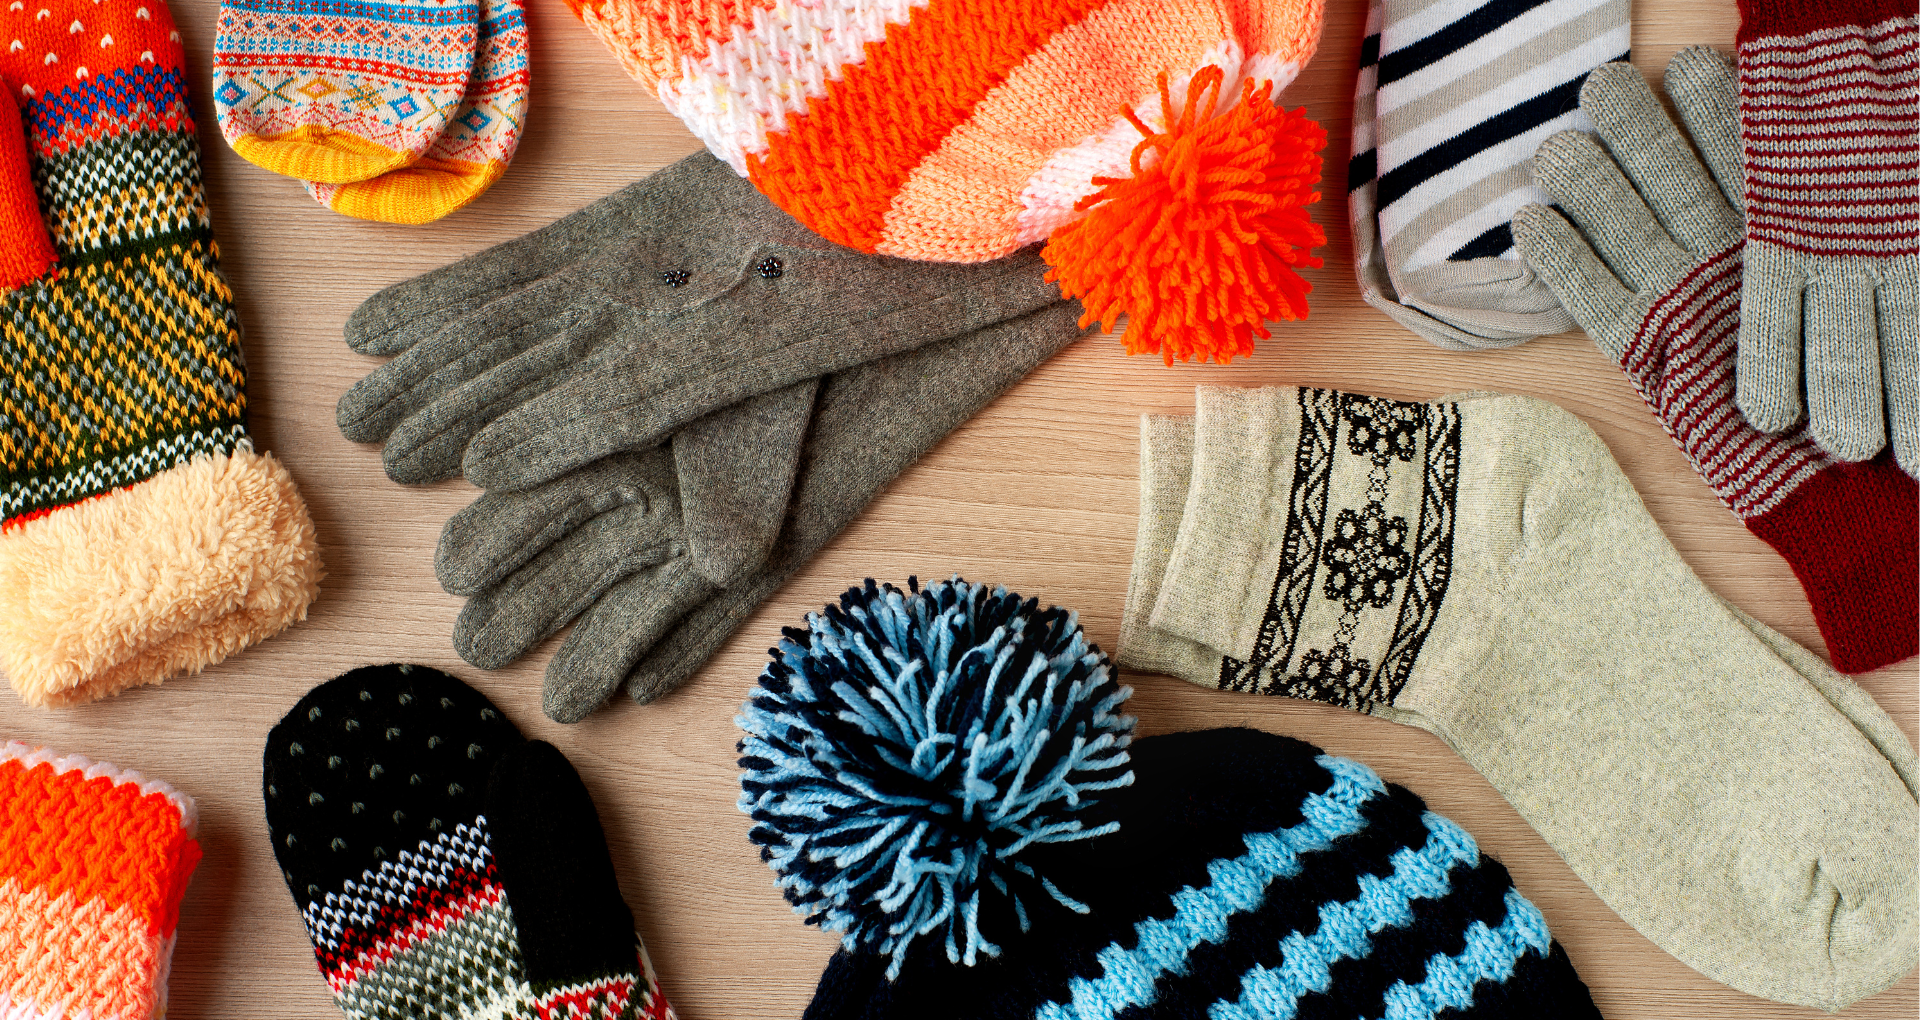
(127, 360)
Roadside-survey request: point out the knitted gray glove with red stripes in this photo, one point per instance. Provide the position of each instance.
(1647, 258)
(1828, 94)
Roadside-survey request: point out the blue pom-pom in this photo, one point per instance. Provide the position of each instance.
(904, 750)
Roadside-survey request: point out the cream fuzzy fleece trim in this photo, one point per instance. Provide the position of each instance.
(153, 580)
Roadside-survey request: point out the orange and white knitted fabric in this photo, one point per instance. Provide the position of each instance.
(962, 130)
(93, 862)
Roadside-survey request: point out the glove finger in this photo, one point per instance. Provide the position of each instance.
(403, 315)
(615, 633)
(501, 623)
(1657, 159)
(736, 469)
(869, 424)
(1701, 82)
(1576, 170)
(1767, 369)
(460, 350)
(1582, 283)
(676, 656)
(1898, 302)
(430, 444)
(598, 409)
(496, 535)
(1844, 408)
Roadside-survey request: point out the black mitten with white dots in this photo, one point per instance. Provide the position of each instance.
(375, 788)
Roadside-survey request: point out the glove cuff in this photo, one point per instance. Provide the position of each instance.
(1761, 18)
(163, 577)
(94, 860)
(1848, 532)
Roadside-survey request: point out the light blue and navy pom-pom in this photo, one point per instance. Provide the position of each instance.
(905, 750)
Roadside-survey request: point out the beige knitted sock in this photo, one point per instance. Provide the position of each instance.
(1481, 569)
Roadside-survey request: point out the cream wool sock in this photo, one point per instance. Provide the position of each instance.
(1481, 569)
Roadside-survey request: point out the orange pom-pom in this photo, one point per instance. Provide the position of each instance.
(1199, 248)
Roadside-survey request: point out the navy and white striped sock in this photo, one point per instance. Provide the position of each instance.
(1452, 98)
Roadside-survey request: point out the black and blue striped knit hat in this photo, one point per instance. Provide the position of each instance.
(942, 775)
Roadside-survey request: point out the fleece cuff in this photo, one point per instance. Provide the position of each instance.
(157, 579)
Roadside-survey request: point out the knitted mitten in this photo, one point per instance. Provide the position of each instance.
(1830, 302)
(340, 92)
(143, 536)
(1669, 314)
(93, 862)
(471, 152)
(581, 955)
(419, 894)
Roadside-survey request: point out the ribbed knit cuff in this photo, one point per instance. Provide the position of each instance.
(1759, 18)
(1850, 534)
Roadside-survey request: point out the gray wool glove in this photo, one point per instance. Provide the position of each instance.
(1830, 303)
(605, 545)
(605, 332)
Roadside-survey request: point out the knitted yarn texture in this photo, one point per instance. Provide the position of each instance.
(386, 792)
(1669, 317)
(962, 130)
(340, 91)
(93, 863)
(1830, 302)
(472, 151)
(143, 535)
(942, 775)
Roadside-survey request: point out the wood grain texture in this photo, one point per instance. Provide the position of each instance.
(1038, 492)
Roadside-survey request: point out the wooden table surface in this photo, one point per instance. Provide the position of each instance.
(995, 502)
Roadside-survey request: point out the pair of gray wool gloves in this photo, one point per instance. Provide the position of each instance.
(673, 398)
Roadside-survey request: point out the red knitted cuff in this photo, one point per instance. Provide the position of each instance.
(25, 251)
(1850, 533)
(1801, 17)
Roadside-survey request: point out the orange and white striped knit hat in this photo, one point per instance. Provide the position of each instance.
(1139, 136)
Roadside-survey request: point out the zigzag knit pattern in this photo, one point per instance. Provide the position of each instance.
(472, 151)
(340, 90)
(374, 785)
(950, 130)
(93, 863)
(126, 360)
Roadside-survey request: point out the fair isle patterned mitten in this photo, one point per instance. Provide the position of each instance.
(582, 957)
(340, 92)
(1670, 318)
(1831, 299)
(1450, 101)
(474, 149)
(93, 863)
(143, 536)
(380, 789)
